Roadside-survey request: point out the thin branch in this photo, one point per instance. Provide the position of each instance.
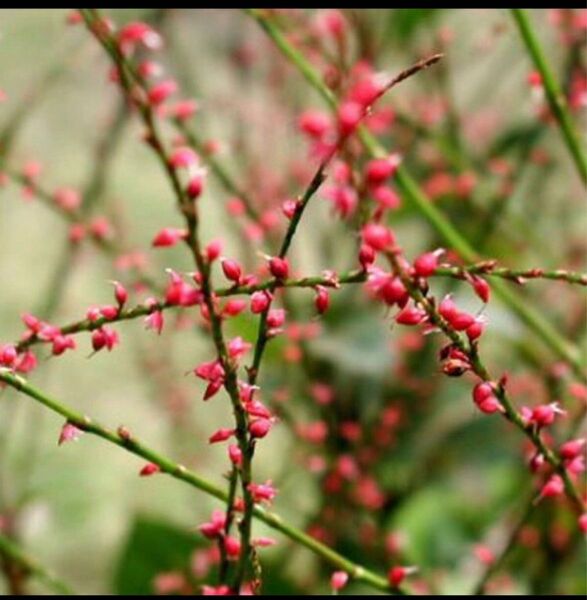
(131, 444)
(519, 276)
(356, 276)
(142, 310)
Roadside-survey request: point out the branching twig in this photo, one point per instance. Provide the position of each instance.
(412, 192)
(128, 442)
(477, 366)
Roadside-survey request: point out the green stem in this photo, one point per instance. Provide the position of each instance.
(177, 471)
(414, 195)
(556, 98)
(18, 555)
(517, 275)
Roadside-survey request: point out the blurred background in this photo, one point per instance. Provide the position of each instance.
(377, 452)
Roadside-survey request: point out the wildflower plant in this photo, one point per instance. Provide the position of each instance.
(263, 316)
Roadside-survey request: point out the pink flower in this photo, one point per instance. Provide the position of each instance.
(279, 267)
(104, 337)
(183, 158)
(259, 428)
(396, 575)
(69, 432)
(262, 492)
(232, 270)
(168, 236)
(68, 199)
(161, 91)
(154, 320)
(232, 547)
(542, 415)
(338, 580)
(379, 170)
(349, 115)
(322, 299)
(138, 33)
(553, 487)
(237, 347)
(235, 455)
(214, 527)
(314, 123)
(8, 355)
(184, 109)
(427, 263)
(61, 343)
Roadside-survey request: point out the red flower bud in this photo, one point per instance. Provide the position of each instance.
(260, 301)
(232, 270)
(220, 436)
(235, 455)
(481, 288)
(380, 169)
(322, 299)
(572, 449)
(410, 315)
(349, 115)
(553, 487)
(232, 547)
(366, 256)
(168, 236)
(426, 264)
(196, 185)
(377, 236)
(338, 580)
(314, 123)
(120, 294)
(259, 428)
(149, 469)
(161, 91)
(279, 267)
